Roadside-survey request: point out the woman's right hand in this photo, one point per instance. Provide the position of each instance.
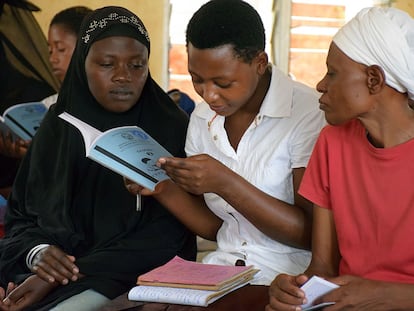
(285, 293)
(54, 265)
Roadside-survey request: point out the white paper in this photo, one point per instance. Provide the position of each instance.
(182, 296)
(314, 288)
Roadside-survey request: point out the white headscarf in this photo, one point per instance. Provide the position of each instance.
(383, 37)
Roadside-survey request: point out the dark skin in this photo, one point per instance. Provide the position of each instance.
(116, 69)
(235, 89)
(12, 147)
(17, 298)
(351, 90)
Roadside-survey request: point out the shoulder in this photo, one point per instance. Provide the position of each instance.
(202, 110)
(288, 98)
(304, 97)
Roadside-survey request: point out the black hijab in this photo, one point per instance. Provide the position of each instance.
(60, 197)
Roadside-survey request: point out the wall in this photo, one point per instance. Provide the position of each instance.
(154, 14)
(406, 5)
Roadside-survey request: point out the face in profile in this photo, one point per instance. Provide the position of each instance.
(345, 94)
(223, 80)
(62, 43)
(116, 70)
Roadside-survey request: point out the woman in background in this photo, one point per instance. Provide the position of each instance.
(25, 74)
(63, 32)
(62, 35)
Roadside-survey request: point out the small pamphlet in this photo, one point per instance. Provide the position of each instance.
(23, 120)
(127, 150)
(314, 288)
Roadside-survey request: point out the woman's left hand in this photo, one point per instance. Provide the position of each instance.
(13, 148)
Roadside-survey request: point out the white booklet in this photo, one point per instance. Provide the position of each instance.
(314, 288)
(23, 120)
(181, 296)
(127, 150)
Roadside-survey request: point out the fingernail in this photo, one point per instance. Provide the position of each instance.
(65, 281)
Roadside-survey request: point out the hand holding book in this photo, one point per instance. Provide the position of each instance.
(314, 288)
(23, 120)
(127, 150)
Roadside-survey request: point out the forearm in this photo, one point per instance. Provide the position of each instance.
(190, 209)
(397, 296)
(288, 224)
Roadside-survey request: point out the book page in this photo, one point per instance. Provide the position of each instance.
(24, 119)
(314, 288)
(89, 133)
(131, 152)
(126, 150)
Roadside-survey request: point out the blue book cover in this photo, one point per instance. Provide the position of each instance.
(127, 150)
(23, 120)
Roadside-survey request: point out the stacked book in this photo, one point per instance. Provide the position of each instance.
(190, 283)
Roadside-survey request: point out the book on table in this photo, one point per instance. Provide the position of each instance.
(126, 150)
(186, 282)
(22, 120)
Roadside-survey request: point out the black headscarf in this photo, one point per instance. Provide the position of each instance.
(60, 197)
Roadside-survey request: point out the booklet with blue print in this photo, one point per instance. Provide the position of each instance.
(127, 150)
(22, 120)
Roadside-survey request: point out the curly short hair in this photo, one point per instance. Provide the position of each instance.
(71, 18)
(222, 22)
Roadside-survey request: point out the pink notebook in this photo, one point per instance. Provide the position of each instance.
(179, 272)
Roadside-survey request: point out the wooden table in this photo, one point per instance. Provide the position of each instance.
(247, 298)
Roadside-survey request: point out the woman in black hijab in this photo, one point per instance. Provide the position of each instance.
(62, 200)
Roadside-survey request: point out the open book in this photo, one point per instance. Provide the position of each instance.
(23, 120)
(314, 288)
(126, 150)
(186, 282)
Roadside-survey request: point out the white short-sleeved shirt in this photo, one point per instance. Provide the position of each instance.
(280, 139)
